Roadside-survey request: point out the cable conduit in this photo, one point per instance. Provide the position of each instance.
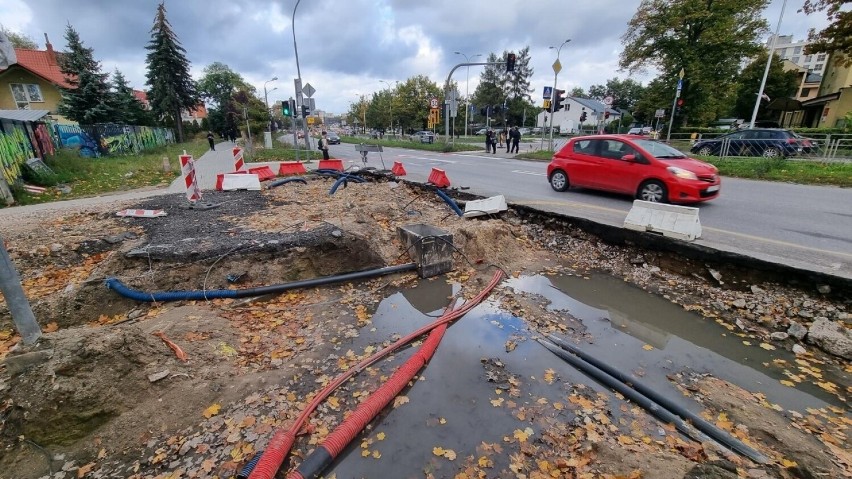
(697, 421)
(282, 441)
(449, 201)
(287, 180)
(116, 285)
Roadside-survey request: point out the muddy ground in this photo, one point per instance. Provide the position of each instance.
(102, 395)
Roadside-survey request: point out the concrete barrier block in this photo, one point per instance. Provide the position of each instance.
(680, 222)
(240, 182)
(487, 206)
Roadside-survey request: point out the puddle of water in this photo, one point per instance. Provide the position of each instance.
(453, 387)
(623, 318)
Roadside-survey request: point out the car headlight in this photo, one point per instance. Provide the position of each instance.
(681, 173)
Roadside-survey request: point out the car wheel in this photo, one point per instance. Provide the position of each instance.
(559, 181)
(653, 191)
(705, 151)
(771, 152)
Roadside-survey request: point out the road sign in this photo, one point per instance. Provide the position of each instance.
(311, 120)
(660, 113)
(433, 103)
(308, 90)
(548, 91)
(608, 101)
(546, 105)
(557, 67)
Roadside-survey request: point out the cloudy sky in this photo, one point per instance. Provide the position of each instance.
(346, 47)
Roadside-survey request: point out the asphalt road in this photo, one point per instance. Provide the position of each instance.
(809, 227)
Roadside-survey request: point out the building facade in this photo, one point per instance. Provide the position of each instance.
(788, 49)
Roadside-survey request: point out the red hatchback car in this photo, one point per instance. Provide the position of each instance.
(646, 169)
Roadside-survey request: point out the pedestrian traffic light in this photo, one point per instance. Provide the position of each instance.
(285, 108)
(510, 62)
(582, 117)
(305, 111)
(558, 98)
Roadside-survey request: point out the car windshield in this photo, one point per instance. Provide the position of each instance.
(659, 150)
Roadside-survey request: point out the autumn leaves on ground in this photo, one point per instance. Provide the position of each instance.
(117, 388)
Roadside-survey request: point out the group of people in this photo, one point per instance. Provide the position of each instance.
(511, 137)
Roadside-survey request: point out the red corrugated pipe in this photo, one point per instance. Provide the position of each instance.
(282, 441)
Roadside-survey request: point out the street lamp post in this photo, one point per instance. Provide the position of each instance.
(266, 100)
(391, 103)
(556, 67)
(299, 98)
(467, 88)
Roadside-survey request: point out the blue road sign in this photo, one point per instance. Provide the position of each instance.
(548, 92)
(680, 84)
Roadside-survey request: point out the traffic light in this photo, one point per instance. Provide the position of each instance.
(286, 109)
(679, 103)
(606, 115)
(510, 62)
(305, 111)
(558, 98)
(582, 117)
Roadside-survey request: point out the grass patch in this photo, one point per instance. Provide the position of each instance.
(94, 176)
(779, 169)
(546, 155)
(412, 145)
(282, 153)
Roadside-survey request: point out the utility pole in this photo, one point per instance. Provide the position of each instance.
(768, 62)
(674, 103)
(557, 67)
(16, 300)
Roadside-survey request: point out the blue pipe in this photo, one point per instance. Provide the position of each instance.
(116, 285)
(287, 180)
(449, 201)
(245, 472)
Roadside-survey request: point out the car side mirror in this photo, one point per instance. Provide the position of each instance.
(631, 158)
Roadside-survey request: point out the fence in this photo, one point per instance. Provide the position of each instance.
(768, 144)
(112, 139)
(20, 141)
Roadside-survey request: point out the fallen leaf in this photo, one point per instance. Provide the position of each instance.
(520, 435)
(399, 401)
(788, 463)
(747, 343)
(85, 469)
(647, 347)
(788, 383)
(497, 402)
(365, 453)
(438, 451)
(767, 346)
(377, 454)
(548, 376)
(212, 411)
(380, 436)
(50, 327)
(450, 454)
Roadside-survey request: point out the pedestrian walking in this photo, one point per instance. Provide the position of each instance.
(489, 135)
(507, 133)
(515, 136)
(323, 145)
(502, 137)
(210, 140)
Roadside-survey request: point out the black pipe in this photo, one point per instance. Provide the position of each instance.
(629, 382)
(163, 296)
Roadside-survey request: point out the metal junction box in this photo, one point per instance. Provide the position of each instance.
(430, 247)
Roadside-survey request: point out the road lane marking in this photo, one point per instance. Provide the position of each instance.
(534, 173)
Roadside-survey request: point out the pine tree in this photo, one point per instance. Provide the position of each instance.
(172, 88)
(518, 81)
(89, 99)
(128, 109)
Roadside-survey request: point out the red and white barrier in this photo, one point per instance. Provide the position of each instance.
(239, 165)
(187, 168)
(142, 213)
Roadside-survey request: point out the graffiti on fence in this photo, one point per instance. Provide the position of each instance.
(111, 139)
(15, 150)
(45, 141)
(72, 136)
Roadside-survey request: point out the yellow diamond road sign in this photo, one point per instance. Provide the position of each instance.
(557, 67)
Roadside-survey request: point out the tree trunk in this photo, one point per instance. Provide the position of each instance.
(179, 126)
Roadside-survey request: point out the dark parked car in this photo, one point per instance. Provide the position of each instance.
(640, 167)
(333, 139)
(767, 142)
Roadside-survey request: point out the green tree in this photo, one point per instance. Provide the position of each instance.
(625, 93)
(126, 107)
(19, 40)
(518, 81)
(89, 99)
(172, 88)
(708, 39)
(779, 84)
(837, 36)
(577, 92)
(411, 103)
(218, 85)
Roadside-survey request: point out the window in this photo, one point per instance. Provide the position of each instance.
(805, 92)
(818, 67)
(585, 147)
(797, 50)
(821, 57)
(26, 93)
(809, 58)
(615, 149)
(795, 60)
(782, 52)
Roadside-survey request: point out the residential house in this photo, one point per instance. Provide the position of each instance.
(195, 114)
(834, 100)
(143, 99)
(791, 113)
(33, 82)
(568, 119)
(788, 49)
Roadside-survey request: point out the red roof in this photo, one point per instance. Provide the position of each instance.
(43, 64)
